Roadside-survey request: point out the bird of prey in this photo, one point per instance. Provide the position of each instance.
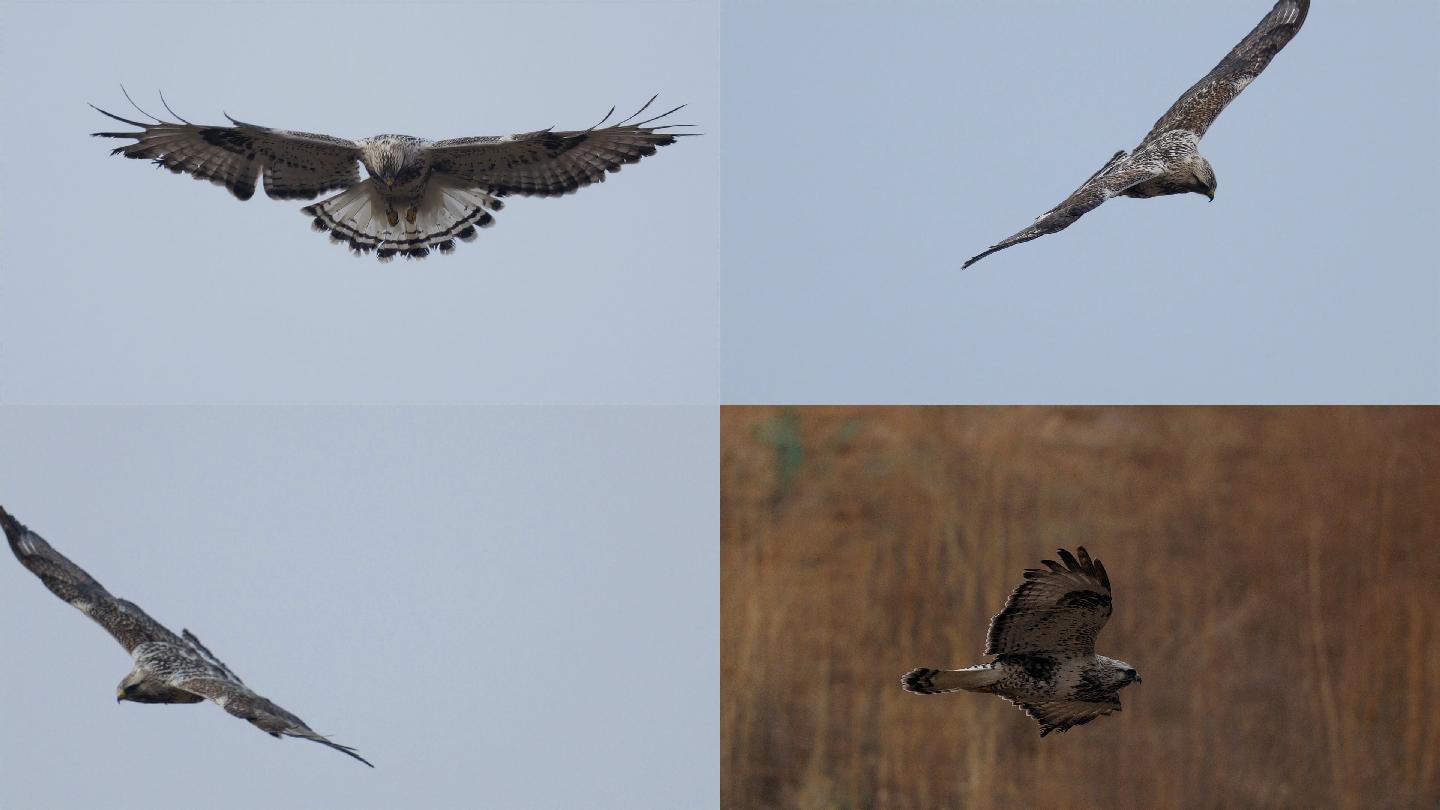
(420, 196)
(1168, 160)
(1044, 648)
(168, 668)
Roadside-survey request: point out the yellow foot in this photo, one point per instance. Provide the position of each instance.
(410, 215)
(393, 217)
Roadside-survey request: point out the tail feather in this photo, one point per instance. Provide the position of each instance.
(935, 681)
(363, 218)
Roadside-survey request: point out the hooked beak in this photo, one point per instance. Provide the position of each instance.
(119, 695)
(1137, 677)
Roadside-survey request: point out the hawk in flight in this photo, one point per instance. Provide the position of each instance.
(1044, 643)
(420, 196)
(1168, 160)
(168, 668)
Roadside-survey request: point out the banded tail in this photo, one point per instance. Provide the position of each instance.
(935, 681)
(362, 217)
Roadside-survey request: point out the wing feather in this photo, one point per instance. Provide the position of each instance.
(130, 625)
(1113, 178)
(1199, 106)
(547, 163)
(294, 165)
(1059, 610)
(1062, 715)
(209, 657)
(239, 700)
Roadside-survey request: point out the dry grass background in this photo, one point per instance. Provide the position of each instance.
(1277, 585)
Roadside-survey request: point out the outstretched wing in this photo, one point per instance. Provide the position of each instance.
(1202, 103)
(1059, 610)
(549, 163)
(209, 657)
(1061, 715)
(296, 165)
(130, 625)
(237, 699)
(1113, 178)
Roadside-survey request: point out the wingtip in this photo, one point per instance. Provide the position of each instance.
(12, 526)
(352, 752)
(1069, 560)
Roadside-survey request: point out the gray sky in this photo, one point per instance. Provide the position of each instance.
(124, 283)
(499, 607)
(871, 148)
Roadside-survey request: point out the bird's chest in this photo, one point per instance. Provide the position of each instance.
(410, 180)
(1158, 187)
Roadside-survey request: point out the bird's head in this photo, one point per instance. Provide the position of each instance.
(129, 688)
(386, 156)
(1204, 176)
(140, 687)
(1125, 674)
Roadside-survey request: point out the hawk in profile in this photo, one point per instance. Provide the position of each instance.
(420, 196)
(1044, 643)
(1168, 160)
(168, 668)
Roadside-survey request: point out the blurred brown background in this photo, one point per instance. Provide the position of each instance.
(1275, 573)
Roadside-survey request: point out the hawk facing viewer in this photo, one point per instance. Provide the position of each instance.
(1044, 648)
(421, 195)
(1168, 160)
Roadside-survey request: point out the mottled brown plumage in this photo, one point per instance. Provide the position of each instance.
(1044, 647)
(168, 668)
(1167, 160)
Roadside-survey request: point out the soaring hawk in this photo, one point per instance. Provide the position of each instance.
(168, 668)
(1044, 643)
(1168, 160)
(421, 195)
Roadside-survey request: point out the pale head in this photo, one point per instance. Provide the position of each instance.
(1204, 176)
(132, 687)
(142, 687)
(1120, 673)
(386, 157)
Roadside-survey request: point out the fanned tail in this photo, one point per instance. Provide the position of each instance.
(363, 218)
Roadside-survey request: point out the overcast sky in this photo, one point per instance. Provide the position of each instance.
(872, 147)
(124, 283)
(499, 607)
